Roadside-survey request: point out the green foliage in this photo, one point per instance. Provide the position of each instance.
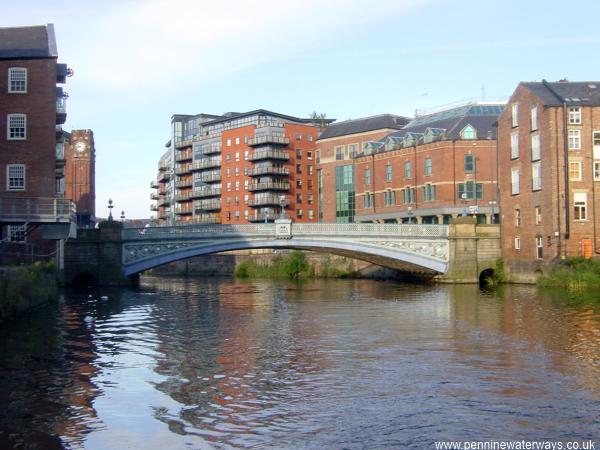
(25, 287)
(574, 274)
(293, 265)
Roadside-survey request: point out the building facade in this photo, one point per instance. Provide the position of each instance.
(337, 147)
(549, 169)
(238, 168)
(32, 111)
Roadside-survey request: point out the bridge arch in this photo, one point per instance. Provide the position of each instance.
(393, 258)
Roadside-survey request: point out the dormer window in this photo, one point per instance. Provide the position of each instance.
(468, 132)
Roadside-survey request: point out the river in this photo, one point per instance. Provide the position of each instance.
(193, 364)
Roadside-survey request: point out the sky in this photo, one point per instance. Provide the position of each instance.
(136, 63)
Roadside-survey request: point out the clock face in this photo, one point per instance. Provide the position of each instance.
(80, 146)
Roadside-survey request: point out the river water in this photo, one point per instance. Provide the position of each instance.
(194, 364)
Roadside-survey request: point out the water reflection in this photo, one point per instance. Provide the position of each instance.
(336, 364)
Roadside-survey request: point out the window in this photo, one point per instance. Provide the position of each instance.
(580, 204)
(298, 183)
(428, 166)
(311, 213)
(237, 185)
(309, 169)
(16, 233)
(298, 213)
(17, 80)
(514, 181)
(309, 183)
(246, 153)
(237, 200)
(298, 136)
(514, 145)
(16, 126)
(227, 157)
(388, 172)
(309, 154)
(228, 142)
(575, 116)
(246, 214)
(470, 190)
(534, 119)
(468, 132)
(539, 247)
(538, 215)
(429, 192)
(298, 153)
(309, 138)
(339, 153)
(575, 170)
(367, 175)
(517, 218)
(368, 200)
(237, 171)
(517, 243)
(389, 198)
(535, 147)
(515, 114)
(15, 177)
(298, 168)
(407, 169)
(237, 156)
(408, 195)
(352, 150)
(310, 199)
(299, 197)
(536, 176)
(574, 139)
(469, 163)
(228, 172)
(237, 141)
(596, 170)
(228, 187)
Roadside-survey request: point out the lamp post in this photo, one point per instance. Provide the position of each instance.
(110, 207)
(122, 216)
(282, 204)
(493, 204)
(410, 215)
(463, 199)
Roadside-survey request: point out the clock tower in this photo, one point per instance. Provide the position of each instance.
(80, 180)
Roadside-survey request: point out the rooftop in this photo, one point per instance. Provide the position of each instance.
(28, 42)
(584, 93)
(362, 125)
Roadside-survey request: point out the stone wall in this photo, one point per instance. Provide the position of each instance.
(24, 288)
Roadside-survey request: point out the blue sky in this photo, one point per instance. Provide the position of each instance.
(138, 62)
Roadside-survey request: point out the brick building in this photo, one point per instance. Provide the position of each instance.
(337, 146)
(238, 168)
(80, 177)
(32, 108)
(439, 166)
(549, 168)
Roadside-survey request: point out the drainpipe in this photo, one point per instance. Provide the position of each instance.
(416, 184)
(596, 250)
(373, 183)
(455, 193)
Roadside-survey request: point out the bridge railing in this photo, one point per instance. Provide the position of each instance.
(338, 230)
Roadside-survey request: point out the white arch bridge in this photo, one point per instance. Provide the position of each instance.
(417, 248)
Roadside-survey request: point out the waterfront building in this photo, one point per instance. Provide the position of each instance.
(336, 149)
(549, 170)
(32, 111)
(238, 168)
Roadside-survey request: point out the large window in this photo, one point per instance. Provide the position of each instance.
(574, 139)
(539, 247)
(367, 176)
(17, 80)
(407, 171)
(534, 118)
(428, 167)
(429, 192)
(535, 147)
(408, 195)
(514, 145)
(575, 170)
(352, 150)
(15, 177)
(514, 181)
(469, 163)
(575, 116)
(368, 200)
(16, 126)
(536, 176)
(580, 205)
(344, 194)
(470, 190)
(515, 114)
(339, 152)
(389, 198)
(388, 172)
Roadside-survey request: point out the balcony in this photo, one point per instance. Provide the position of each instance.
(182, 144)
(208, 205)
(206, 192)
(210, 177)
(268, 139)
(206, 218)
(184, 209)
(153, 207)
(153, 196)
(163, 165)
(207, 163)
(269, 154)
(209, 149)
(163, 176)
(268, 170)
(61, 106)
(183, 197)
(268, 200)
(60, 151)
(269, 186)
(154, 185)
(269, 217)
(184, 155)
(183, 169)
(183, 183)
(163, 215)
(164, 202)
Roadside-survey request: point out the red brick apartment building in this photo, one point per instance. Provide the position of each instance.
(32, 108)
(238, 168)
(549, 169)
(429, 170)
(337, 147)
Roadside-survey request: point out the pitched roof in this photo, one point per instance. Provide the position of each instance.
(28, 42)
(380, 122)
(584, 93)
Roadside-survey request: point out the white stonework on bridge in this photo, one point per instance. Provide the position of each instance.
(419, 247)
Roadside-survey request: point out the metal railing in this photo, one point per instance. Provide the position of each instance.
(36, 209)
(268, 170)
(183, 155)
(268, 139)
(268, 200)
(268, 154)
(208, 205)
(211, 192)
(207, 163)
(268, 186)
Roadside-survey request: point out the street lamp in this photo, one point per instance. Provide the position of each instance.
(409, 214)
(282, 204)
(122, 216)
(463, 199)
(493, 204)
(110, 207)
